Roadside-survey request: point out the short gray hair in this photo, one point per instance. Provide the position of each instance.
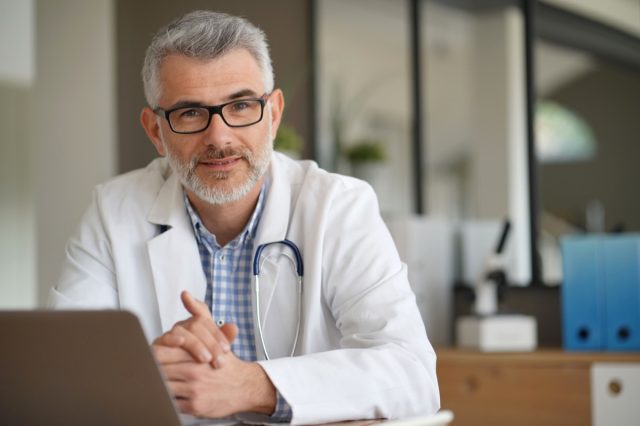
(207, 35)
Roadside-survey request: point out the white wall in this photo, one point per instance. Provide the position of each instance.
(57, 134)
(17, 245)
(16, 41)
(73, 121)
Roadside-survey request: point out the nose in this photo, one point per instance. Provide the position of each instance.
(218, 133)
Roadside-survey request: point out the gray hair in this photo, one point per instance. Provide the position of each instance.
(206, 35)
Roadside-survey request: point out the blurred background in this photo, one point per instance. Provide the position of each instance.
(427, 100)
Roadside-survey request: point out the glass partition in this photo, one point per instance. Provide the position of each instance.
(587, 150)
(364, 126)
(475, 146)
(471, 74)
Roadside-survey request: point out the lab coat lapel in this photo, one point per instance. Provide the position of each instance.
(275, 216)
(174, 255)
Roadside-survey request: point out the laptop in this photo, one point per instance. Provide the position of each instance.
(79, 368)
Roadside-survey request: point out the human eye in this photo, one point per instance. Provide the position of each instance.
(189, 113)
(242, 106)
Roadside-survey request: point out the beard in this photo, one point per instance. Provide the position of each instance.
(220, 192)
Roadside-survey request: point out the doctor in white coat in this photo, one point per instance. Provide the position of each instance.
(362, 351)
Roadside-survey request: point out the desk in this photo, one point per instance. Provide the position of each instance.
(545, 387)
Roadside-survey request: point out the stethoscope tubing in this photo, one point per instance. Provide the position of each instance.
(294, 248)
(256, 275)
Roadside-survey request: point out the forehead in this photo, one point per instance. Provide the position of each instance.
(209, 80)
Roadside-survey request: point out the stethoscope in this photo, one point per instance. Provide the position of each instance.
(257, 265)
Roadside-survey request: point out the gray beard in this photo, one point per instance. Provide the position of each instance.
(186, 172)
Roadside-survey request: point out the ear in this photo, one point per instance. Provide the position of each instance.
(277, 107)
(149, 121)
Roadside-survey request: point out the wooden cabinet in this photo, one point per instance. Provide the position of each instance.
(546, 387)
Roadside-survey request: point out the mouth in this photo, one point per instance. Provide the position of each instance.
(220, 164)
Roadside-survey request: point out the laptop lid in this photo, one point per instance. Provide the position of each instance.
(79, 367)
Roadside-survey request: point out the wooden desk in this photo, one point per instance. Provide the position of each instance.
(545, 387)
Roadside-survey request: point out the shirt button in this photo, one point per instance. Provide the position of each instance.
(222, 257)
(220, 323)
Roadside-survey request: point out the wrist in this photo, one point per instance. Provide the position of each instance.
(261, 397)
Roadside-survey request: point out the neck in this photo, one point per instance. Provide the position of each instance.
(226, 221)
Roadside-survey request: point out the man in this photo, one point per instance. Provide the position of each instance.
(189, 226)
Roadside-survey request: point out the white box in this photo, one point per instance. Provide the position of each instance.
(497, 333)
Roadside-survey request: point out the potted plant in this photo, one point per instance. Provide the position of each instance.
(288, 141)
(367, 157)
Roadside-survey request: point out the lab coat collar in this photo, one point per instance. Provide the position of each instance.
(173, 254)
(275, 217)
(168, 208)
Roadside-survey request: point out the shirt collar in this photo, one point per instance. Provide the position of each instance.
(249, 231)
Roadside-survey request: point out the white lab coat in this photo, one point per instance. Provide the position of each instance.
(362, 352)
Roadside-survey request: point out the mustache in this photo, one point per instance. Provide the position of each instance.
(217, 154)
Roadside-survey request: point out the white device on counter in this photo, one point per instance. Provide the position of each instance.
(497, 333)
(487, 330)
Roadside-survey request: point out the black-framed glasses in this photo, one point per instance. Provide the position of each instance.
(196, 118)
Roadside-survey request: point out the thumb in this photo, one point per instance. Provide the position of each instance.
(230, 331)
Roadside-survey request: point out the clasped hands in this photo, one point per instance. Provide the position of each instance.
(203, 374)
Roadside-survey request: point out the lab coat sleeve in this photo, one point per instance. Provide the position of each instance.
(87, 280)
(384, 366)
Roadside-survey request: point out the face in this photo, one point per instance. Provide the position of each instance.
(221, 164)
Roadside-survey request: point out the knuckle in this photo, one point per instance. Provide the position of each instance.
(200, 322)
(158, 351)
(194, 324)
(177, 329)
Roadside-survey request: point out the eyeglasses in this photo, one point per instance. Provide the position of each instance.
(194, 119)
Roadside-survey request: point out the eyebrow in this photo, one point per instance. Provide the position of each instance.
(244, 93)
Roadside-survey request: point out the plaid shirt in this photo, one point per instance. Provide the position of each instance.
(228, 294)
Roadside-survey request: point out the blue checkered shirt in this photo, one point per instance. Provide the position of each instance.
(228, 294)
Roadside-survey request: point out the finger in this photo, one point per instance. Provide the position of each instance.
(175, 372)
(214, 340)
(220, 337)
(190, 342)
(185, 406)
(169, 339)
(210, 334)
(195, 307)
(180, 389)
(169, 355)
(184, 371)
(200, 310)
(230, 331)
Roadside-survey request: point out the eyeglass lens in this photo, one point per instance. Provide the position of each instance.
(195, 119)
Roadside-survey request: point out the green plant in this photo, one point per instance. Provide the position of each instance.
(366, 150)
(287, 139)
